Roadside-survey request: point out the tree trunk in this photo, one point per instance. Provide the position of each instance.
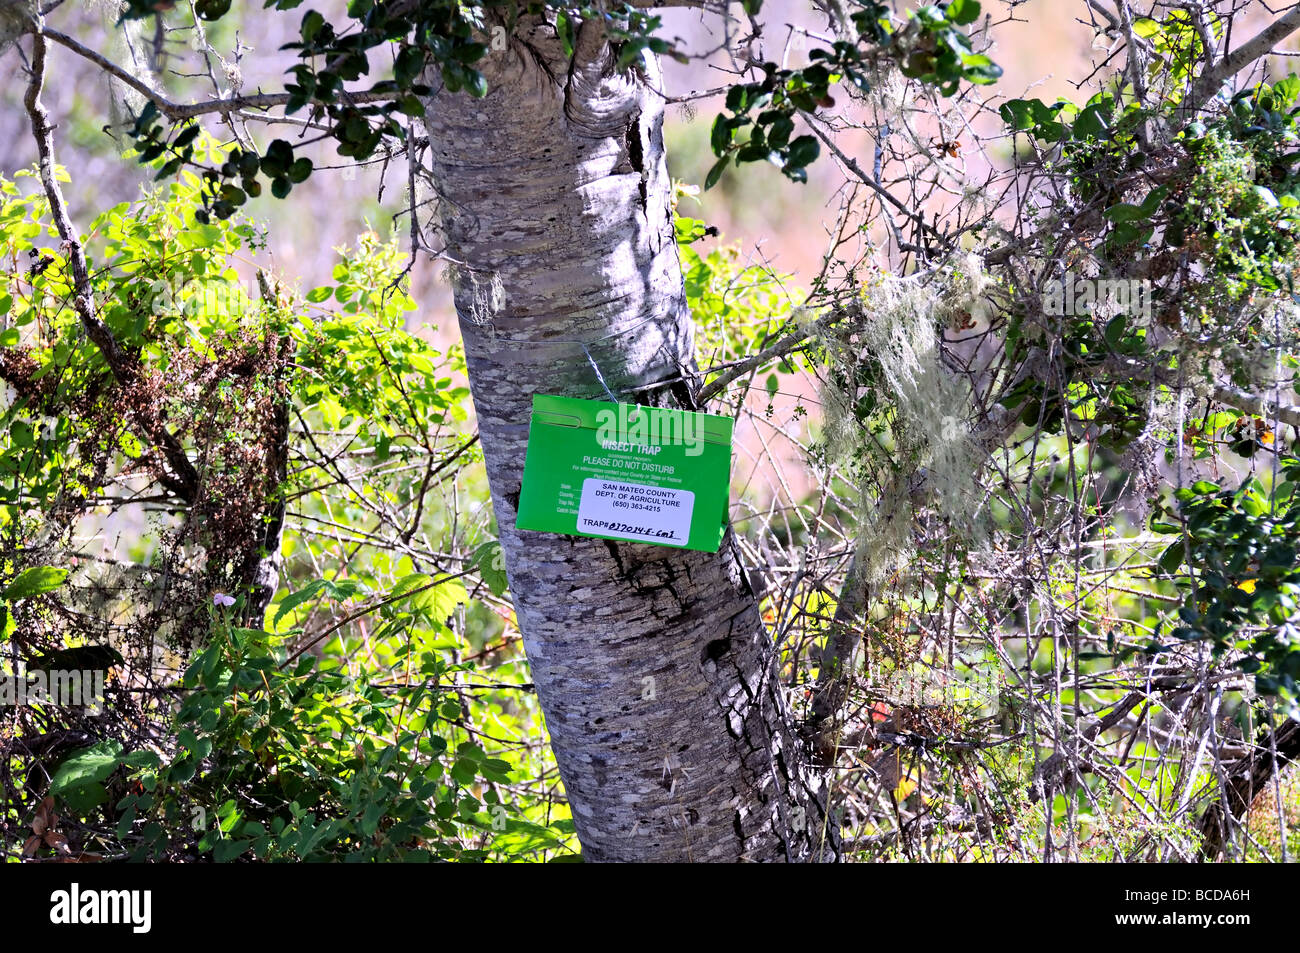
(260, 575)
(654, 672)
(1249, 778)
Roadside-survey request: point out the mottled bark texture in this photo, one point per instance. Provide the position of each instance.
(260, 573)
(652, 665)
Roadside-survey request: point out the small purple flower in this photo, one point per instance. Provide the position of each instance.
(221, 599)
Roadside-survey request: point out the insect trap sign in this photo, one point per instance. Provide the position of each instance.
(623, 471)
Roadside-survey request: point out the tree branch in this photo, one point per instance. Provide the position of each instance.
(1261, 44)
(183, 478)
(1254, 404)
(1249, 777)
(782, 347)
(178, 111)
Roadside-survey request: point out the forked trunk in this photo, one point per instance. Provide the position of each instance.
(652, 665)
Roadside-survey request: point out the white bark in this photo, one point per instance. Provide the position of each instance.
(652, 665)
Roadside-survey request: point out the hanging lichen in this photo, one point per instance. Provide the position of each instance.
(897, 416)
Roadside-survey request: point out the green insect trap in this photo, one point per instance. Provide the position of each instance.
(627, 472)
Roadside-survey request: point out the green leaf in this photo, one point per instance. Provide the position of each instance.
(85, 799)
(438, 598)
(408, 65)
(278, 158)
(1017, 113)
(294, 600)
(564, 27)
(416, 583)
(187, 135)
(779, 132)
(476, 83)
(715, 173)
(469, 52)
(1115, 329)
(299, 171)
(1146, 27)
(311, 24)
(1094, 120)
(803, 152)
(34, 582)
(86, 767)
(142, 759)
(1124, 212)
(212, 9)
(979, 69)
(962, 12)
(227, 850)
(720, 137)
(490, 562)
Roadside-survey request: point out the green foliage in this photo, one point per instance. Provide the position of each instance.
(1240, 208)
(1062, 120)
(1209, 219)
(1231, 200)
(931, 47)
(630, 30)
(302, 761)
(79, 780)
(928, 47)
(351, 720)
(491, 565)
(738, 307)
(35, 581)
(445, 36)
(169, 295)
(448, 37)
(338, 726)
(1117, 411)
(393, 380)
(1242, 579)
(29, 583)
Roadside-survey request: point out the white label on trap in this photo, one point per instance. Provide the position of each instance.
(634, 511)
